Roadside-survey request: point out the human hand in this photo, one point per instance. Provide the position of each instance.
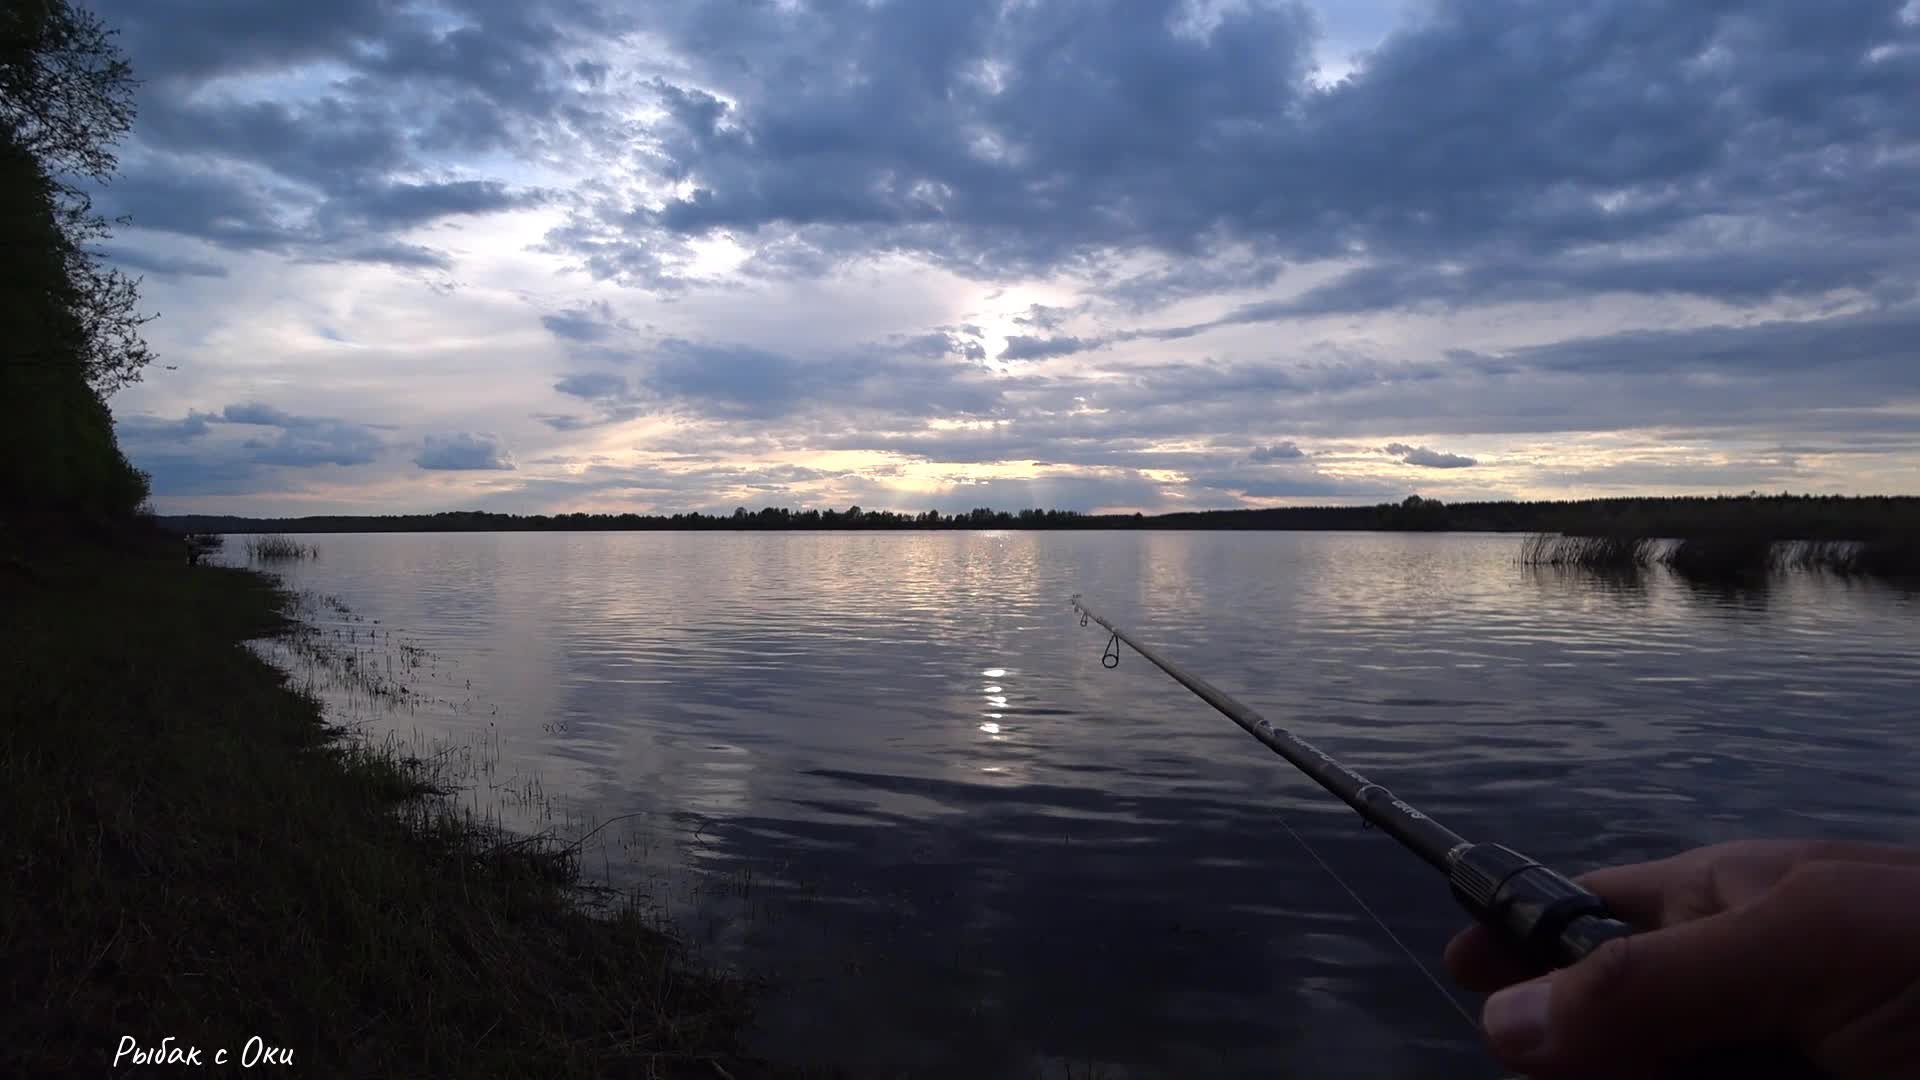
(1810, 943)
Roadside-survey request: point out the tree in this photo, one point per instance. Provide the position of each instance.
(66, 92)
(66, 98)
(57, 446)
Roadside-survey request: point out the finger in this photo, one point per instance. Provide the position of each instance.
(1647, 998)
(1749, 974)
(1481, 962)
(1709, 880)
(1639, 893)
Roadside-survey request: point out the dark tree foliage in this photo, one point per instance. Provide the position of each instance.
(66, 98)
(57, 449)
(66, 93)
(69, 326)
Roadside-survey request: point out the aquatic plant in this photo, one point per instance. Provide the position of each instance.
(1587, 552)
(1724, 556)
(274, 548)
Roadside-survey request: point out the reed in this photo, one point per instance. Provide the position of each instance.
(277, 548)
(1726, 556)
(1587, 552)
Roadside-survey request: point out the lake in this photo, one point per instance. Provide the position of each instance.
(889, 772)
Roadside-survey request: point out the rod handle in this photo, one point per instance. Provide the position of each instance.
(1557, 923)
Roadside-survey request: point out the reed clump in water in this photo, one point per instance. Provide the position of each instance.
(277, 548)
(1725, 556)
(1721, 557)
(1587, 552)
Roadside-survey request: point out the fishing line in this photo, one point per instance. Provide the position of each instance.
(1438, 986)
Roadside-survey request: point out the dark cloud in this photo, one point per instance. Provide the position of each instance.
(257, 413)
(332, 162)
(593, 385)
(176, 474)
(1428, 458)
(1826, 375)
(586, 324)
(142, 262)
(463, 450)
(1023, 347)
(1280, 451)
(303, 440)
(1488, 151)
(572, 422)
(145, 429)
(1498, 136)
(241, 448)
(955, 341)
(392, 205)
(1044, 316)
(190, 40)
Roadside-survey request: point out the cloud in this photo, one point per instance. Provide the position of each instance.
(147, 429)
(588, 323)
(1428, 458)
(1044, 316)
(297, 441)
(326, 133)
(1023, 138)
(1280, 451)
(463, 450)
(402, 205)
(257, 413)
(162, 265)
(1289, 486)
(1505, 221)
(240, 449)
(744, 382)
(937, 344)
(303, 440)
(1022, 347)
(593, 386)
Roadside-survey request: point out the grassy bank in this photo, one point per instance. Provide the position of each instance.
(192, 853)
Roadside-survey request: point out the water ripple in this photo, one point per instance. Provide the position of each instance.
(890, 771)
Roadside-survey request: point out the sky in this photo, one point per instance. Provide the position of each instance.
(565, 255)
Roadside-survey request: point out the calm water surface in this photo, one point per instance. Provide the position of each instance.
(890, 772)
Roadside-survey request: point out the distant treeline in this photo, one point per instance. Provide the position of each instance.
(1782, 517)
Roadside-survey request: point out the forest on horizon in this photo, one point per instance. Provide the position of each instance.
(1785, 517)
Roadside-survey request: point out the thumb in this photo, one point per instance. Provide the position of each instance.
(1652, 997)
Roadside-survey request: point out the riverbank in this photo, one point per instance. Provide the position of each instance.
(193, 853)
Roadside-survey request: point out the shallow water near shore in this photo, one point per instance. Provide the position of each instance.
(888, 771)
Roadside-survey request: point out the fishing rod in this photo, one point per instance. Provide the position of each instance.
(1556, 921)
(1550, 918)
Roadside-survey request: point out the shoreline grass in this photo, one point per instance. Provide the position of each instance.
(193, 852)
